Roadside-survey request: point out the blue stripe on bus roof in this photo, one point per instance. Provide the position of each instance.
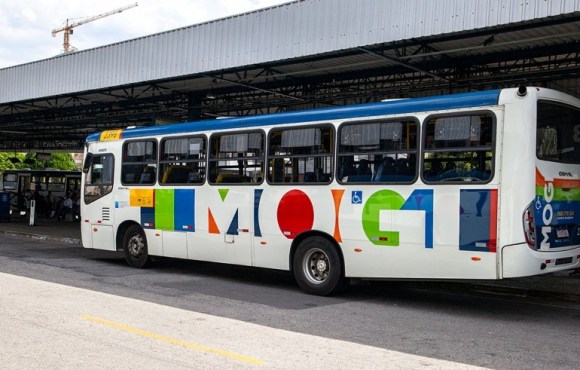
(427, 104)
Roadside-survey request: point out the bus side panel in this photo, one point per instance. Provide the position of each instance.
(86, 238)
(234, 217)
(102, 237)
(517, 179)
(154, 242)
(98, 220)
(283, 214)
(418, 233)
(206, 241)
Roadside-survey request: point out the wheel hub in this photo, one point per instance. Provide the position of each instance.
(321, 265)
(316, 266)
(135, 246)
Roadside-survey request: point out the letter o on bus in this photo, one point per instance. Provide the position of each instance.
(547, 220)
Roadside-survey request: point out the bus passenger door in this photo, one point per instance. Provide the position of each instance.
(97, 202)
(238, 234)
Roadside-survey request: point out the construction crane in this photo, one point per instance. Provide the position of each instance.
(68, 27)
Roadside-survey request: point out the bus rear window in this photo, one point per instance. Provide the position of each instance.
(558, 133)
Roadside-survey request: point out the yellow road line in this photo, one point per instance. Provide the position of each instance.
(176, 342)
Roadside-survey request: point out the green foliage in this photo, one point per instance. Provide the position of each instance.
(61, 161)
(11, 161)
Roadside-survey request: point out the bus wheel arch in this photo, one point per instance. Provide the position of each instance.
(317, 263)
(132, 241)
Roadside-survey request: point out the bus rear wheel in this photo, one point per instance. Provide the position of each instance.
(135, 247)
(317, 267)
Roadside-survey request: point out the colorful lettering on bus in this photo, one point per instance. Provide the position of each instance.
(557, 211)
(174, 210)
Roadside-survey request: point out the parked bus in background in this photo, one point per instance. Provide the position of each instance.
(482, 185)
(42, 183)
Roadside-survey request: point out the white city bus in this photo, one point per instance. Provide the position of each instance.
(481, 185)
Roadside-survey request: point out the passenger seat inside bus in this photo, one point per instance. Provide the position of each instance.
(176, 175)
(363, 172)
(310, 177)
(148, 176)
(385, 170)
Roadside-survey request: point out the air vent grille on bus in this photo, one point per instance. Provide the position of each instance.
(106, 214)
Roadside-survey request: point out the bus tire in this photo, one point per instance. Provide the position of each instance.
(317, 267)
(135, 247)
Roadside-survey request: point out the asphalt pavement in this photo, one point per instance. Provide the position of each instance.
(558, 288)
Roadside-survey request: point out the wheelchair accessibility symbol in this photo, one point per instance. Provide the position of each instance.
(538, 203)
(356, 197)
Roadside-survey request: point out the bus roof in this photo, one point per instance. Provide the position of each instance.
(426, 104)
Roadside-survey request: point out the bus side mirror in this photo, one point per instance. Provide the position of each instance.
(88, 162)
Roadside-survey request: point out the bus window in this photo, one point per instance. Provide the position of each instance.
(99, 178)
(301, 155)
(38, 183)
(73, 184)
(56, 184)
(182, 161)
(458, 148)
(558, 133)
(87, 162)
(10, 182)
(236, 158)
(382, 152)
(139, 165)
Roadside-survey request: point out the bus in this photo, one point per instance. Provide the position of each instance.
(482, 185)
(22, 182)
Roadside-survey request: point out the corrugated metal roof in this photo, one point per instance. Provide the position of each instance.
(293, 30)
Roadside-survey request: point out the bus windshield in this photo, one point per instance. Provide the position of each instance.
(558, 135)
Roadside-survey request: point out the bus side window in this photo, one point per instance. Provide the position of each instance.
(459, 148)
(139, 162)
(182, 160)
(237, 158)
(301, 155)
(382, 151)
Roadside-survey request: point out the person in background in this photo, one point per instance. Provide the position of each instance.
(51, 204)
(77, 209)
(67, 207)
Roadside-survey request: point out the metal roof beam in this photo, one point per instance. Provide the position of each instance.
(406, 65)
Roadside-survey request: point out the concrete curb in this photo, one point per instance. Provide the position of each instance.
(43, 237)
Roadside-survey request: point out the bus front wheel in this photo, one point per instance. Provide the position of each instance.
(317, 266)
(135, 247)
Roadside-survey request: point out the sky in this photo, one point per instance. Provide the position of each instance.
(26, 25)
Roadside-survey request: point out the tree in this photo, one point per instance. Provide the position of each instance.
(10, 161)
(61, 161)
